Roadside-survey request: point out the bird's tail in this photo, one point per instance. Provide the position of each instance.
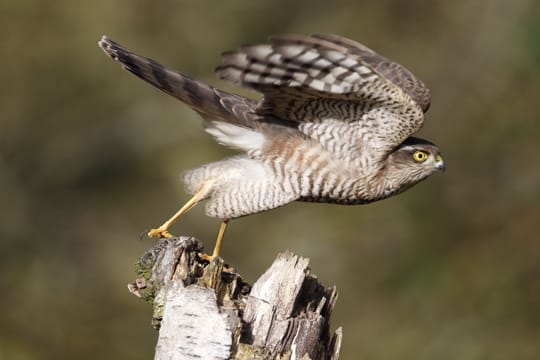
(210, 102)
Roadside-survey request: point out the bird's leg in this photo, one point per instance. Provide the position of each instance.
(221, 233)
(163, 230)
(217, 247)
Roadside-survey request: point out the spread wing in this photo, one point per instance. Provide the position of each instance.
(351, 100)
(394, 72)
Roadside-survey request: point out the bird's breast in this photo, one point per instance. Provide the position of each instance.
(316, 176)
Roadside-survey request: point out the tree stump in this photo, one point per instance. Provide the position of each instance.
(206, 311)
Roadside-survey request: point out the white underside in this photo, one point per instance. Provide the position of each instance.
(234, 136)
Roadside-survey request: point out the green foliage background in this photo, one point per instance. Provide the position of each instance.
(90, 156)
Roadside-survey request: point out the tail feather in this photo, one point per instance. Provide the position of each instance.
(208, 101)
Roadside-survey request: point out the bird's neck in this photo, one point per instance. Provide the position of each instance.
(381, 185)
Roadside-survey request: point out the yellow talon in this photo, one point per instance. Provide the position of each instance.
(226, 268)
(205, 257)
(162, 231)
(217, 248)
(159, 233)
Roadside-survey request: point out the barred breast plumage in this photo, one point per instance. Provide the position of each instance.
(334, 125)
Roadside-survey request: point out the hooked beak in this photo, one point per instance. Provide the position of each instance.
(439, 163)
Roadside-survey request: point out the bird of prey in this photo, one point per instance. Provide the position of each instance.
(334, 125)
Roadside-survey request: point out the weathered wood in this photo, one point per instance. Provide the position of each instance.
(206, 311)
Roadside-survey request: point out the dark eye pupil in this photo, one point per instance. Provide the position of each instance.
(420, 156)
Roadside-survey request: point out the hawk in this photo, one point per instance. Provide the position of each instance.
(334, 125)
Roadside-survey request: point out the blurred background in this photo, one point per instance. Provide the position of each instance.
(91, 156)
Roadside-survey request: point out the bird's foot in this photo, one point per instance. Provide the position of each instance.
(159, 233)
(210, 258)
(206, 257)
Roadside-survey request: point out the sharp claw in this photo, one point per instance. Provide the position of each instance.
(159, 233)
(205, 257)
(226, 268)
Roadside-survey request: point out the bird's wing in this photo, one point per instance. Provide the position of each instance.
(211, 103)
(338, 92)
(394, 72)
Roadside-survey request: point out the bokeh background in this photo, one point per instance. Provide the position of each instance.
(90, 156)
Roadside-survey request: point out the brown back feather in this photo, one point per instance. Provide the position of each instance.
(394, 72)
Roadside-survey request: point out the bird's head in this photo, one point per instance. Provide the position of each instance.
(414, 160)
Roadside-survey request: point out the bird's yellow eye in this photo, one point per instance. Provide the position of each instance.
(420, 156)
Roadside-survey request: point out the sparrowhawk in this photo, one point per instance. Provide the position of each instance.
(334, 125)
